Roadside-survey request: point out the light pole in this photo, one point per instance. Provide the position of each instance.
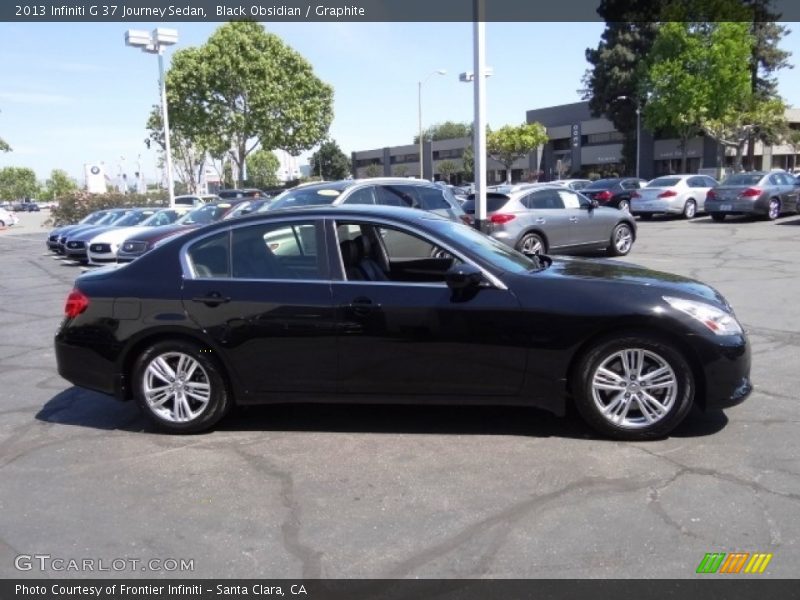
(154, 43)
(419, 103)
(638, 129)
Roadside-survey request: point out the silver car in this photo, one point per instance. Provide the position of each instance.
(672, 194)
(554, 219)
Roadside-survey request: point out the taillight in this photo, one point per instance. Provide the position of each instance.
(77, 302)
(604, 195)
(500, 218)
(668, 194)
(710, 195)
(751, 193)
(636, 195)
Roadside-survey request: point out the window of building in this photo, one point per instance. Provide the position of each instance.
(404, 158)
(452, 153)
(609, 137)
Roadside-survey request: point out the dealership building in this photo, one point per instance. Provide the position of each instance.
(578, 144)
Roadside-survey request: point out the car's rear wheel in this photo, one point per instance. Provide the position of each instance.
(773, 209)
(621, 240)
(531, 243)
(718, 217)
(179, 387)
(624, 205)
(633, 388)
(690, 209)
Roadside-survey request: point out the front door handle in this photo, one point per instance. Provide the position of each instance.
(213, 299)
(573, 219)
(362, 306)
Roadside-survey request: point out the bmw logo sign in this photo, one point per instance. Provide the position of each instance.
(95, 170)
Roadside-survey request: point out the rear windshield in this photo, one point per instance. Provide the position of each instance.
(664, 182)
(602, 184)
(306, 197)
(743, 179)
(209, 213)
(494, 202)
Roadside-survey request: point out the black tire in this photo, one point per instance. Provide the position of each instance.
(645, 216)
(718, 217)
(677, 401)
(624, 205)
(773, 209)
(532, 241)
(210, 371)
(690, 209)
(615, 247)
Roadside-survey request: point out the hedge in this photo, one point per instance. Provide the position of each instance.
(76, 205)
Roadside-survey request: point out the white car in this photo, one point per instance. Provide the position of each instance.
(7, 218)
(102, 249)
(672, 194)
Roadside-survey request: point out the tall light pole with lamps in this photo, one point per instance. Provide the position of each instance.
(419, 103)
(154, 43)
(638, 128)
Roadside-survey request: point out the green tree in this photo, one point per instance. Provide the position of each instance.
(697, 74)
(448, 168)
(187, 157)
(244, 89)
(331, 161)
(17, 183)
(400, 171)
(791, 137)
(468, 160)
(510, 143)
(262, 168)
(59, 184)
(448, 130)
(373, 170)
(617, 68)
(4, 147)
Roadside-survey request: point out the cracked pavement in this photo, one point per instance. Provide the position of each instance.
(374, 492)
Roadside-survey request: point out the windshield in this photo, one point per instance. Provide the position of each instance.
(133, 218)
(489, 249)
(601, 184)
(162, 217)
(310, 196)
(664, 182)
(109, 218)
(92, 218)
(208, 213)
(743, 179)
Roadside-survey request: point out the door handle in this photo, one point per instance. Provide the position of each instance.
(540, 221)
(213, 299)
(573, 219)
(362, 306)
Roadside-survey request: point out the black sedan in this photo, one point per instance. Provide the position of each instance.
(311, 305)
(615, 192)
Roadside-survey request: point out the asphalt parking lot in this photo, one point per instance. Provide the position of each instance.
(340, 491)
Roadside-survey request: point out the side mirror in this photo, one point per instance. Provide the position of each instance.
(591, 206)
(462, 277)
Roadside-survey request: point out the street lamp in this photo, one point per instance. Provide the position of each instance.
(638, 128)
(154, 43)
(419, 102)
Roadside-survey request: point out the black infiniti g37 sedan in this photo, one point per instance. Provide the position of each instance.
(379, 304)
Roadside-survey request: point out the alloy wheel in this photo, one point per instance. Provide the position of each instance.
(623, 239)
(176, 387)
(774, 209)
(634, 388)
(532, 245)
(690, 210)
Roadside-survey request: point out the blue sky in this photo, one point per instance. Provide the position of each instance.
(72, 94)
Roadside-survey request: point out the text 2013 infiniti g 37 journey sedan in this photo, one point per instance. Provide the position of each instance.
(314, 304)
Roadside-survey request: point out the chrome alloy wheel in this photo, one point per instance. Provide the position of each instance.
(176, 387)
(531, 245)
(634, 388)
(623, 239)
(774, 209)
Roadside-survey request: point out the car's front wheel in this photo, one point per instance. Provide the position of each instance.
(179, 387)
(621, 240)
(633, 388)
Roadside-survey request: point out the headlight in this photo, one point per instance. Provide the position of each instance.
(717, 320)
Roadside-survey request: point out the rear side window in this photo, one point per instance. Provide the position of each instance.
(210, 257)
(276, 251)
(433, 198)
(543, 200)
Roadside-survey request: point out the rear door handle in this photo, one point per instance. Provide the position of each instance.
(573, 219)
(212, 299)
(540, 221)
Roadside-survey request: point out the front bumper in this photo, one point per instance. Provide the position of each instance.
(726, 370)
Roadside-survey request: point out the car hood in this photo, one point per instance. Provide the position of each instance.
(117, 235)
(612, 272)
(84, 235)
(153, 234)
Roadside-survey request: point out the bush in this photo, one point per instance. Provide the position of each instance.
(74, 206)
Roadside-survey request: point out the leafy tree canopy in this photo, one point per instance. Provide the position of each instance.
(510, 143)
(59, 184)
(262, 168)
(331, 161)
(448, 130)
(17, 183)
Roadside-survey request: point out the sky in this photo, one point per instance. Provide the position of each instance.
(74, 93)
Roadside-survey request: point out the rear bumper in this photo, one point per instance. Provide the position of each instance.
(656, 206)
(737, 207)
(85, 368)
